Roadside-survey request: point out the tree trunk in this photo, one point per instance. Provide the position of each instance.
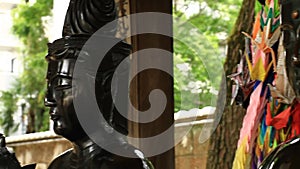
(223, 142)
(30, 121)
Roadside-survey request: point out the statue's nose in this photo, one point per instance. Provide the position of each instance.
(49, 100)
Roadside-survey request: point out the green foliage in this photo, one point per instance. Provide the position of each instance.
(196, 73)
(8, 108)
(28, 26)
(193, 84)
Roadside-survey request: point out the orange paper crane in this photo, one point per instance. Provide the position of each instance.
(263, 43)
(266, 33)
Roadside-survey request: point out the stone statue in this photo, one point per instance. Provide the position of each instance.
(83, 18)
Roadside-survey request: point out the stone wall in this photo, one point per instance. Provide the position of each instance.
(41, 153)
(39, 148)
(42, 148)
(190, 153)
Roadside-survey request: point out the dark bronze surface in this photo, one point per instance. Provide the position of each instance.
(285, 156)
(291, 29)
(8, 160)
(84, 18)
(87, 16)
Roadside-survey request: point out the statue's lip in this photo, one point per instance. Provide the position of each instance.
(54, 116)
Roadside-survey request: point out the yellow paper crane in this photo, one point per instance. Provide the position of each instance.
(263, 48)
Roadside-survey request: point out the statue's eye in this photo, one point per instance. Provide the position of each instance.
(62, 83)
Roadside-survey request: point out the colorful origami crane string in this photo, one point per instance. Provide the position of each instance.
(260, 61)
(282, 89)
(243, 84)
(273, 114)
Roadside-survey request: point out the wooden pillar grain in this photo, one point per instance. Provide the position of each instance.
(147, 80)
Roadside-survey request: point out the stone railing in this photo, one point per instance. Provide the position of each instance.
(42, 148)
(191, 153)
(39, 148)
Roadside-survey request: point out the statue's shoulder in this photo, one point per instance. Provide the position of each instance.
(61, 161)
(139, 159)
(107, 160)
(136, 159)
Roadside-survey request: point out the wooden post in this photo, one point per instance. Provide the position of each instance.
(147, 80)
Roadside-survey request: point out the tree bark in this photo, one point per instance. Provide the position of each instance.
(31, 121)
(223, 142)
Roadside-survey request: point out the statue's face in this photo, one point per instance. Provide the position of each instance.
(59, 98)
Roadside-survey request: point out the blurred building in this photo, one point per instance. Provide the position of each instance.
(11, 48)
(10, 53)
(10, 57)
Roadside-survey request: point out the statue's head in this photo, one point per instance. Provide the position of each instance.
(62, 57)
(82, 20)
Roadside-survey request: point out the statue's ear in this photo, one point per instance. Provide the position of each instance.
(30, 166)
